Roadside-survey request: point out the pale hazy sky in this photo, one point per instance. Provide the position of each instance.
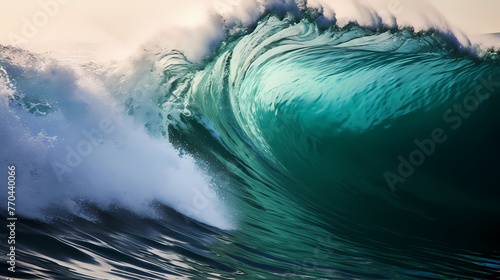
(115, 26)
(480, 16)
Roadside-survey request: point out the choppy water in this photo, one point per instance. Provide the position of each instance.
(297, 150)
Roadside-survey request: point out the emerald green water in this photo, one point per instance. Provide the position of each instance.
(303, 131)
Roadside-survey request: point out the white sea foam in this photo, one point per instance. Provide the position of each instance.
(86, 148)
(127, 165)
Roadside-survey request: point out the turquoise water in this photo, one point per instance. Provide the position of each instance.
(339, 153)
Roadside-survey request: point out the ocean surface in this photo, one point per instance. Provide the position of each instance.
(297, 150)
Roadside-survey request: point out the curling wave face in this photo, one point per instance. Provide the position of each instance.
(311, 131)
(361, 130)
(333, 108)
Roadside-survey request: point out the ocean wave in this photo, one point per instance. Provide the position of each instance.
(72, 142)
(314, 148)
